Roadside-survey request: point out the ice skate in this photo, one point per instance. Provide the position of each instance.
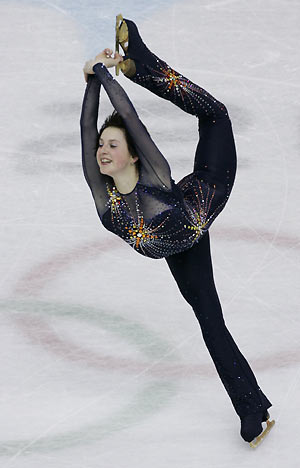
(122, 39)
(252, 424)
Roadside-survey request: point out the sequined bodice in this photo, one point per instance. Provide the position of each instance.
(157, 223)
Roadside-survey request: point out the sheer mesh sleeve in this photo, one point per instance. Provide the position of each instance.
(89, 143)
(155, 170)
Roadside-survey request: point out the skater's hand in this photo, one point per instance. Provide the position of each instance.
(106, 57)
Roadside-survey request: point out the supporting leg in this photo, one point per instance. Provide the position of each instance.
(192, 270)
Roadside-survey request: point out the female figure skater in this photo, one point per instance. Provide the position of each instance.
(137, 199)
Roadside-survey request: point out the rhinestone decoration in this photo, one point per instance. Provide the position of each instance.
(171, 230)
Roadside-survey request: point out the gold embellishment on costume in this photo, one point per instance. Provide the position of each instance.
(140, 233)
(172, 83)
(173, 79)
(114, 197)
(199, 214)
(198, 226)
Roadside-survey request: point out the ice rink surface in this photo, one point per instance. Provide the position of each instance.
(102, 361)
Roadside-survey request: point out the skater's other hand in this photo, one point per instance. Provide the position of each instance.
(107, 57)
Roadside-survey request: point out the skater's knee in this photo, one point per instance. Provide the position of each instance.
(214, 113)
(197, 295)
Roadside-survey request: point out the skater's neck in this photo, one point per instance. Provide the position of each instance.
(126, 181)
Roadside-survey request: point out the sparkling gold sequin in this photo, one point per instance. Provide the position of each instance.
(199, 205)
(114, 197)
(140, 233)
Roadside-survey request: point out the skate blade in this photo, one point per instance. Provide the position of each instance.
(121, 39)
(119, 19)
(261, 437)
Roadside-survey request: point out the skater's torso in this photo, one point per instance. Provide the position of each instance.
(158, 218)
(158, 223)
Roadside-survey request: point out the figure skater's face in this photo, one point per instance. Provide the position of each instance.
(113, 155)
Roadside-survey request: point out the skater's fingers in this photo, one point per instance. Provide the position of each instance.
(118, 57)
(108, 52)
(112, 61)
(107, 57)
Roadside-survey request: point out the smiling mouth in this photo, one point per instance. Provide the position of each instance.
(105, 161)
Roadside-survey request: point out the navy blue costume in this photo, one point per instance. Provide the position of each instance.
(162, 219)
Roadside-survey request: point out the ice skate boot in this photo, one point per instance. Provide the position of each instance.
(252, 429)
(122, 38)
(137, 54)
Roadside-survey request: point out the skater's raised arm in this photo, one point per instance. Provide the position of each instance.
(90, 143)
(155, 168)
(89, 132)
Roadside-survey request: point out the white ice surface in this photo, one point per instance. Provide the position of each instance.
(102, 361)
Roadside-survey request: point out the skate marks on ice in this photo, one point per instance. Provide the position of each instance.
(30, 318)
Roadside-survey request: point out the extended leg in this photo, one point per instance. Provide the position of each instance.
(156, 75)
(215, 159)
